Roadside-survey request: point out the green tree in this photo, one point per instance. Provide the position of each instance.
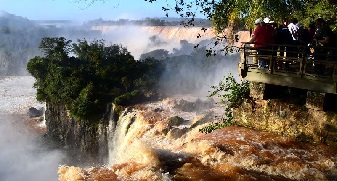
(86, 82)
(55, 48)
(318, 8)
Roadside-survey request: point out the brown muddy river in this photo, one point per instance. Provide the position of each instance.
(151, 148)
(148, 150)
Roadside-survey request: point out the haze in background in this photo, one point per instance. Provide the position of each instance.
(188, 69)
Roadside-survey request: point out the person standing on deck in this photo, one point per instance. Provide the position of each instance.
(293, 28)
(323, 33)
(292, 50)
(322, 40)
(262, 37)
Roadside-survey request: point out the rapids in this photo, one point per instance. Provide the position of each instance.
(151, 143)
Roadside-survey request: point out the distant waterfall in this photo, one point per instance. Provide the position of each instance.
(191, 34)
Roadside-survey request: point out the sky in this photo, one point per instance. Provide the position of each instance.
(82, 10)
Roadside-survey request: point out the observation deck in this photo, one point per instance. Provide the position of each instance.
(303, 67)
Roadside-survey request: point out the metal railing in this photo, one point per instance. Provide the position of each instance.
(293, 61)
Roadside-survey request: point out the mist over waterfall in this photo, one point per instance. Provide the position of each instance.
(187, 67)
(24, 154)
(23, 157)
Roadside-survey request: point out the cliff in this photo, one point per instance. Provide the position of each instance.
(305, 115)
(83, 142)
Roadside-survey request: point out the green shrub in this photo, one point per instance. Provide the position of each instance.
(231, 94)
(126, 98)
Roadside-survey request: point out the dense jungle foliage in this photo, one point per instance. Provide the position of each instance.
(87, 76)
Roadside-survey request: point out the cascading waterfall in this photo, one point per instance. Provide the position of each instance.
(117, 136)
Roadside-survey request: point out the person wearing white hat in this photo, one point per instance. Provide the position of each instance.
(258, 21)
(262, 37)
(267, 20)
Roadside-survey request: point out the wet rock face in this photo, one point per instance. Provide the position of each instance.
(33, 112)
(309, 121)
(85, 143)
(257, 90)
(196, 106)
(176, 133)
(175, 121)
(315, 100)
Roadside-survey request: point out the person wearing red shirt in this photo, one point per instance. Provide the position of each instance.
(262, 37)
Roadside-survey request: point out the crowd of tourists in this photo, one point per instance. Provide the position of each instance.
(290, 35)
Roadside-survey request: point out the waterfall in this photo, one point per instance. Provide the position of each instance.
(168, 32)
(117, 135)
